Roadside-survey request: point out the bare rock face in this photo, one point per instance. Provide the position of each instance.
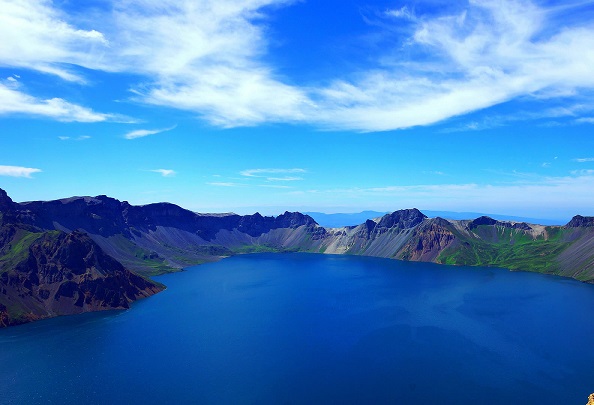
(428, 240)
(402, 219)
(484, 220)
(64, 274)
(6, 203)
(580, 222)
(590, 400)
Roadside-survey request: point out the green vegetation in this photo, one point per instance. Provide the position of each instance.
(505, 247)
(154, 268)
(17, 249)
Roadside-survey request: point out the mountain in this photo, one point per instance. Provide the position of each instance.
(466, 215)
(339, 220)
(563, 250)
(72, 255)
(49, 273)
(159, 238)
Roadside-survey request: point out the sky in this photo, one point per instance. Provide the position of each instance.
(273, 105)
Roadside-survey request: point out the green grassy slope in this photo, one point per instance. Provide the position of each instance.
(509, 248)
(16, 247)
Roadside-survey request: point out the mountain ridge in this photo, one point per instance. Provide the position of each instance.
(339, 220)
(162, 237)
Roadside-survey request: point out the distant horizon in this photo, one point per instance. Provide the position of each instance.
(276, 211)
(219, 105)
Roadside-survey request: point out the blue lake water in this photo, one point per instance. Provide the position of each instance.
(305, 328)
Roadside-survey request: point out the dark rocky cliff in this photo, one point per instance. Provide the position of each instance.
(484, 220)
(580, 222)
(161, 237)
(45, 273)
(428, 241)
(106, 216)
(61, 274)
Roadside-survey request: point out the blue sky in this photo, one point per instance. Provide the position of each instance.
(272, 105)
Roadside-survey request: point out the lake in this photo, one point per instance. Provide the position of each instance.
(307, 328)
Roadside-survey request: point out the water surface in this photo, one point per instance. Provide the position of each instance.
(303, 329)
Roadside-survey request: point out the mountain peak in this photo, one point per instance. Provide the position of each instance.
(484, 220)
(403, 219)
(6, 202)
(294, 220)
(579, 221)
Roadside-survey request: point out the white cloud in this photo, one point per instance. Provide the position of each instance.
(78, 138)
(11, 82)
(15, 102)
(272, 175)
(38, 36)
(273, 186)
(285, 178)
(17, 171)
(266, 172)
(583, 160)
(206, 57)
(225, 184)
(140, 133)
(165, 172)
(583, 172)
(492, 52)
(402, 12)
(200, 56)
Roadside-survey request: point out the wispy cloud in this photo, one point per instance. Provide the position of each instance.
(260, 178)
(208, 58)
(165, 172)
(140, 133)
(583, 160)
(77, 138)
(271, 174)
(285, 178)
(584, 172)
(16, 102)
(225, 184)
(486, 54)
(567, 112)
(274, 186)
(402, 12)
(29, 24)
(18, 171)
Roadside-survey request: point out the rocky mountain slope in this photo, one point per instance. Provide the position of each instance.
(157, 238)
(49, 273)
(162, 237)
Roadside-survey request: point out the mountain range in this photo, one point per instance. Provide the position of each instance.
(92, 253)
(338, 220)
